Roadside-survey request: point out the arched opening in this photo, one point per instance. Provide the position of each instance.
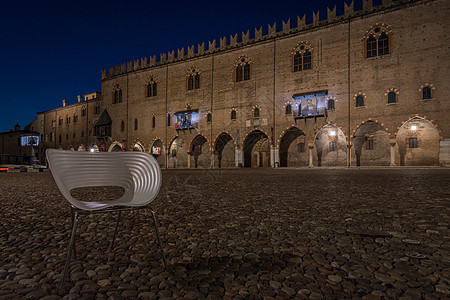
(331, 147)
(293, 148)
(261, 156)
(138, 147)
(225, 153)
(418, 143)
(177, 154)
(157, 150)
(371, 145)
(116, 148)
(200, 152)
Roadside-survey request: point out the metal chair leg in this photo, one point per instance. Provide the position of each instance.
(159, 238)
(111, 246)
(71, 245)
(72, 213)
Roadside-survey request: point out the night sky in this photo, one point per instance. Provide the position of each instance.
(55, 50)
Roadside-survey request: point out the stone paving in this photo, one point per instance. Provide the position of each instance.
(238, 234)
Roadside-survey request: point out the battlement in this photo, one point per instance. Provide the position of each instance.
(272, 32)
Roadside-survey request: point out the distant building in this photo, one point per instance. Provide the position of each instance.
(366, 88)
(20, 147)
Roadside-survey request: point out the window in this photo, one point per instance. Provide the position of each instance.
(152, 89)
(193, 80)
(330, 104)
(369, 144)
(67, 119)
(117, 95)
(413, 142)
(301, 147)
(242, 68)
(135, 124)
(302, 57)
(97, 109)
(233, 115)
(153, 121)
(300, 108)
(29, 140)
(75, 118)
(377, 41)
(60, 121)
(209, 117)
(332, 146)
(122, 126)
(359, 101)
(83, 111)
(288, 109)
(392, 97)
(256, 113)
(53, 123)
(426, 93)
(168, 120)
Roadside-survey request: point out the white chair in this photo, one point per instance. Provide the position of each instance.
(137, 173)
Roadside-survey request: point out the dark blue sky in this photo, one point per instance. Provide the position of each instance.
(54, 50)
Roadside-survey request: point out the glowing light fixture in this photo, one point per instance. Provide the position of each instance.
(92, 149)
(414, 127)
(333, 133)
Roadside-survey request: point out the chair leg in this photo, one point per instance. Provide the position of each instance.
(72, 213)
(159, 238)
(71, 245)
(111, 246)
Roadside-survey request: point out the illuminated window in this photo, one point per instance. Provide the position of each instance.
(302, 57)
(288, 109)
(392, 97)
(359, 101)
(30, 140)
(233, 115)
(332, 146)
(413, 142)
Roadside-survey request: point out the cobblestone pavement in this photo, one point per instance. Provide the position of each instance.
(238, 234)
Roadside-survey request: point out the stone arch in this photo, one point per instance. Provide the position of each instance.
(224, 150)
(256, 159)
(200, 152)
(418, 142)
(441, 135)
(138, 145)
(293, 148)
(114, 145)
(371, 120)
(177, 153)
(330, 144)
(158, 151)
(370, 141)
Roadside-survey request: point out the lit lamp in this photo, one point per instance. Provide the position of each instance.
(333, 133)
(413, 127)
(92, 150)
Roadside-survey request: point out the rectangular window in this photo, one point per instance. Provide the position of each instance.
(332, 146)
(413, 143)
(369, 144)
(301, 147)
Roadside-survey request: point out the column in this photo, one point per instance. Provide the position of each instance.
(310, 156)
(349, 155)
(239, 157)
(392, 143)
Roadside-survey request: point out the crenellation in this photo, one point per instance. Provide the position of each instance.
(331, 14)
(246, 37)
(272, 30)
(223, 42)
(201, 48)
(152, 60)
(367, 5)
(180, 54)
(316, 18)
(233, 40)
(144, 62)
(103, 73)
(123, 68)
(301, 22)
(171, 55)
(258, 33)
(349, 9)
(136, 64)
(191, 50)
(287, 26)
(212, 46)
(163, 58)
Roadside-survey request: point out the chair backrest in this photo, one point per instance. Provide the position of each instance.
(137, 173)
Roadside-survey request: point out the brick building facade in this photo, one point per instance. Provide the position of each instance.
(364, 88)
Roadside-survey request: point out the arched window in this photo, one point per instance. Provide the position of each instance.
(209, 117)
(330, 104)
(117, 96)
(67, 119)
(377, 41)
(426, 93)
(122, 126)
(359, 101)
(151, 88)
(193, 79)
(256, 113)
(302, 57)
(97, 109)
(153, 122)
(75, 118)
(83, 111)
(60, 121)
(233, 115)
(288, 109)
(242, 68)
(392, 97)
(135, 124)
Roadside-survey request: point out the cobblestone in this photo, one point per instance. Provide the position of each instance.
(243, 234)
